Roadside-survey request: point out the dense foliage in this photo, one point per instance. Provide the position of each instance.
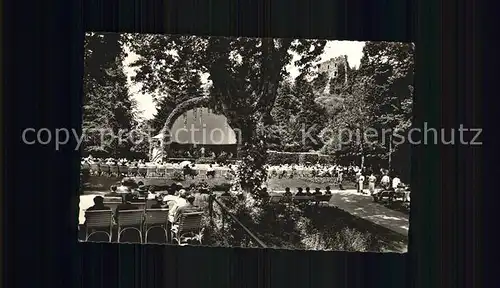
(244, 78)
(107, 107)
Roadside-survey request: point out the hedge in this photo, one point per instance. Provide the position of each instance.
(277, 158)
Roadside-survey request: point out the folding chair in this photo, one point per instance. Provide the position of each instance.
(132, 170)
(123, 170)
(142, 171)
(160, 171)
(113, 170)
(189, 228)
(130, 220)
(94, 169)
(98, 222)
(155, 218)
(150, 171)
(112, 202)
(149, 203)
(140, 205)
(105, 170)
(85, 168)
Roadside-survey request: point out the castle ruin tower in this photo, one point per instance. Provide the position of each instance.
(332, 68)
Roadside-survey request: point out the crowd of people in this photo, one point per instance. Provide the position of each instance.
(177, 199)
(362, 177)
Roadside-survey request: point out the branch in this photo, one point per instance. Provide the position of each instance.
(271, 74)
(183, 107)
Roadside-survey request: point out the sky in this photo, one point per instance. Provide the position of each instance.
(146, 107)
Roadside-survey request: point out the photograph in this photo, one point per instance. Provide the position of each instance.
(301, 144)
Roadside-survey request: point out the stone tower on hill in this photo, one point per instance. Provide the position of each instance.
(335, 67)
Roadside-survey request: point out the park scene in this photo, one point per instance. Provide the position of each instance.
(246, 142)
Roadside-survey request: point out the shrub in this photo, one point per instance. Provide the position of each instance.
(277, 158)
(326, 159)
(351, 240)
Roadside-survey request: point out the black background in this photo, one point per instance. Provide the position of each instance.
(43, 60)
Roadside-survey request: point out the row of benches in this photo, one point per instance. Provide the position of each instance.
(150, 171)
(142, 221)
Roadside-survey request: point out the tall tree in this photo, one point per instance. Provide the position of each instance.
(349, 128)
(244, 73)
(310, 119)
(392, 66)
(107, 104)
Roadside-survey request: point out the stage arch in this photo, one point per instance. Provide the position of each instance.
(200, 126)
(192, 124)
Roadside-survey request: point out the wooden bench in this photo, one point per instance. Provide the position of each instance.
(323, 199)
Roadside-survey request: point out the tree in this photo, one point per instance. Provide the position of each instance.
(244, 76)
(378, 96)
(107, 107)
(348, 130)
(310, 119)
(392, 67)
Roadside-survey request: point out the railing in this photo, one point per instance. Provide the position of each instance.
(225, 211)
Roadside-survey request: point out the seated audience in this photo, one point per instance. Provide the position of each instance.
(98, 204)
(308, 191)
(123, 189)
(210, 171)
(175, 203)
(152, 193)
(317, 192)
(185, 208)
(263, 192)
(126, 205)
(159, 204)
(300, 192)
(328, 191)
(287, 192)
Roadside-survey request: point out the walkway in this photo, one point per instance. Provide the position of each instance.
(364, 207)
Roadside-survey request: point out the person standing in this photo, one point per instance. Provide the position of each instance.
(371, 183)
(395, 182)
(361, 180)
(385, 181)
